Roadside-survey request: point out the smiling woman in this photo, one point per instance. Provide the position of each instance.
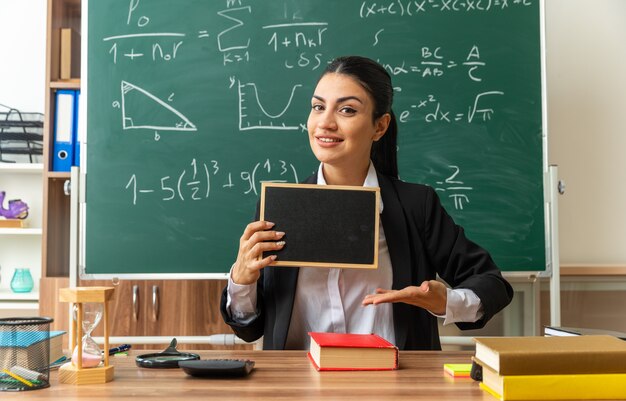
(353, 133)
(342, 130)
(369, 87)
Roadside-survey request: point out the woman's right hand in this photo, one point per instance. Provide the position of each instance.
(255, 240)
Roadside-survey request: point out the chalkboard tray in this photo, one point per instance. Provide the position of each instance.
(324, 225)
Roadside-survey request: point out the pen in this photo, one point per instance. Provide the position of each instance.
(18, 377)
(121, 348)
(56, 364)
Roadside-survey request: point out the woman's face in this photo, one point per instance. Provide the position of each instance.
(341, 129)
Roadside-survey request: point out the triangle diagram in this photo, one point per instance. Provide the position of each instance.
(141, 109)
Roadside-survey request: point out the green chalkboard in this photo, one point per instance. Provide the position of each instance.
(192, 103)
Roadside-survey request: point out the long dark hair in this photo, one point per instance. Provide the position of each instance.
(377, 82)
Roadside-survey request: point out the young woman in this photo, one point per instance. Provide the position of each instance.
(353, 133)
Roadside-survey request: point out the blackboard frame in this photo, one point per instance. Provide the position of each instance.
(314, 201)
(83, 177)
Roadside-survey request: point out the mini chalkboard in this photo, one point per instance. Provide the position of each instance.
(324, 225)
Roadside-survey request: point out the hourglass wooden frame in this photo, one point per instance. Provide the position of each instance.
(76, 374)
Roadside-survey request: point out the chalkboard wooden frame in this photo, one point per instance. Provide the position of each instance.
(330, 215)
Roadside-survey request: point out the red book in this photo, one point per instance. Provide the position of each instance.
(334, 351)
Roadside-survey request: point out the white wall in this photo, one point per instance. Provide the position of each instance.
(23, 54)
(586, 77)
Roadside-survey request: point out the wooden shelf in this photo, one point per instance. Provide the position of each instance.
(30, 305)
(56, 204)
(65, 84)
(22, 168)
(58, 174)
(7, 295)
(593, 270)
(21, 231)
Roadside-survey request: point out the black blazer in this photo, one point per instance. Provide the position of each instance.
(423, 241)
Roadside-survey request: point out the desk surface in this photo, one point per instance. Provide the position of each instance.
(278, 375)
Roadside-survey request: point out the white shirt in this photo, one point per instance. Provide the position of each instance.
(326, 299)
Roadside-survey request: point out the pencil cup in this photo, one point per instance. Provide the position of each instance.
(24, 353)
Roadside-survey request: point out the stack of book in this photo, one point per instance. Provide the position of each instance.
(553, 368)
(579, 331)
(25, 349)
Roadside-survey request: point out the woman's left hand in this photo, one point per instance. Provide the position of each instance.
(431, 295)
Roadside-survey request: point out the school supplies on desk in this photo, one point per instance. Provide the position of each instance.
(26, 345)
(576, 331)
(169, 358)
(551, 355)
(18, 378)
(27, 373)
(217, 367)
(56, 364)
(121, 348)
(458, 369)
(555, 386)
(334, 351)
(476, 373)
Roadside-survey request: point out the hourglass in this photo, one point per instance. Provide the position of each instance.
(89, 306)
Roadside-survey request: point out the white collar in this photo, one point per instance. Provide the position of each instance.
(371, 180)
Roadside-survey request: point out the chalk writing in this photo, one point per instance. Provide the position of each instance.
(298, 37)
(249, 97)
(223, 37)
(304, 60)
(148, 106)
(196, 181)
(455, 189)
(412, 8)
(433, 63)
(301, 42)
(433, 111)
(156, 49)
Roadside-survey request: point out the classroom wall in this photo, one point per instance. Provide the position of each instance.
(23, 54)
(586, 76)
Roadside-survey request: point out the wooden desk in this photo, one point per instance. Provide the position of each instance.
(278, 375)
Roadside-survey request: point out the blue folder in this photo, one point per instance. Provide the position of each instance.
(64, 130)
(76, 159)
